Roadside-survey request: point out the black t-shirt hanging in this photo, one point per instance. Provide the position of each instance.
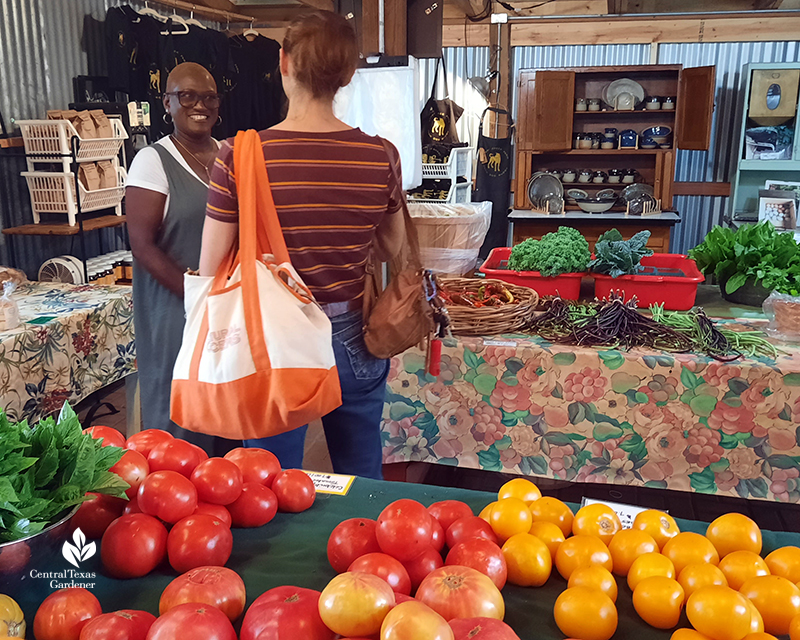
(439, 117)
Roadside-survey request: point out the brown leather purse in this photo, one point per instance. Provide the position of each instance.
(400, 316)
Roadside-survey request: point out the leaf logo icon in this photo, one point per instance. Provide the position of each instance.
(80, 551)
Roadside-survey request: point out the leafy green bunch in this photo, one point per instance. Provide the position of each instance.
(757, 252)
(618, 257)
(562, 251)
(47, 469)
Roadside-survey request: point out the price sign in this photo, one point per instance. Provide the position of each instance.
(332, 483)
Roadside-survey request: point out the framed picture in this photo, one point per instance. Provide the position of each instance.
(779, 207)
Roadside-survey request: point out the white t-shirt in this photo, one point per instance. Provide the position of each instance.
(147, 172)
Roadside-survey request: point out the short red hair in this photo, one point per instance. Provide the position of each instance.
(324, 52)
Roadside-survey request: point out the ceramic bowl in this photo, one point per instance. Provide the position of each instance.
(595, 206)
(577, 194)
(658, 134)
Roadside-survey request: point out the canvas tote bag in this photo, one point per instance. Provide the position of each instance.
(257, 356)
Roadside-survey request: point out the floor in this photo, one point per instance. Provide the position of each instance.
(768, 515)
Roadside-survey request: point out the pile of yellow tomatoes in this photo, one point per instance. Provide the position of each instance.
(729, 591)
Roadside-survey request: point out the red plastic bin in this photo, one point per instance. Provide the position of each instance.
(675, 292)
(567, 285)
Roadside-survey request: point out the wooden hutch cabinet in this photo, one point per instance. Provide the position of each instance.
(548, 121)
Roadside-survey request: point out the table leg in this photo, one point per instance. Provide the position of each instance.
(132, 404)
(396, 472)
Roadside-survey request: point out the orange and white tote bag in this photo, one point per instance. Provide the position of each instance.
(257, 356)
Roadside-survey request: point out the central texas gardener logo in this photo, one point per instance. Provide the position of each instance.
(80, 551)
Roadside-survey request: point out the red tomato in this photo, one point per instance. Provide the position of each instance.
(461, 592)
(295, 490)
(96, 514)
(471, 527)
(482, 555)
(217, 481)
(401, 597)
(437, 535)
(200, 452)
(64, 613)
(175, 455)
(482, 629)
(404, 529)
(418, 568)
(126, 624)
(386, 568)
(448, 511)
(167, 495)
(197, 541)
(215, 510)
(133, 469)
(257, 465)
(132, 506)
(111, 437)
(133, 546)
(255, 507)
(217, 586)
(285, 613)
(144, 441)
(351, 539)
(204, 621)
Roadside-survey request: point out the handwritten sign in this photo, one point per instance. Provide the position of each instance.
(626, 512)
(332, 483)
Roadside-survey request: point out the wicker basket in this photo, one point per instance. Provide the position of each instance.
(489, 321)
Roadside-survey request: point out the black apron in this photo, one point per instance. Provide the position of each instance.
(439, 119)
(493, 180)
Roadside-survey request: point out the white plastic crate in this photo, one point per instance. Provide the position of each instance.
(49, 140)
(459, 164)
(55, 193)
(459, 193)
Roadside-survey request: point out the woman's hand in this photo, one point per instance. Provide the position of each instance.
(145, 213)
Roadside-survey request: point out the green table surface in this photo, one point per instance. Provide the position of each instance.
(291, 550)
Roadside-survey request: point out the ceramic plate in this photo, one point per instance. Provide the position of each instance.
(623, 85)
(635, 190)
(544, 188)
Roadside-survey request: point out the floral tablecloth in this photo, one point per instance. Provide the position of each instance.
(73, 340)
(522, 405)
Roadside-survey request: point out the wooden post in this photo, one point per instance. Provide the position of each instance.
(395, 21)
(370, 27)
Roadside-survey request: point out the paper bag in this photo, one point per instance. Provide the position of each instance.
(102, 124)
(84, 125)
(89, 176)
(108, 174)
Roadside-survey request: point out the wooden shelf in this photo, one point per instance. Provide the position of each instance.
(769, 165)
(63, 229)
(603, 152)
(636, 112)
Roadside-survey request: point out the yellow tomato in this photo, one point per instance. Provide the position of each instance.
(659, 601)
(520, 488)
(355, 603)
(734, 532)
(794, 628)
(597, 520)
(740, 566)
(509, 517)
(585, 613)
(594, 578)
(777, 600)
(415, 620)
(688, 634)
(690, 548)
(756, 621)
(759, 635)
(649, 565)
(785, 562)
(547, 509)
(486, 511)
(661, 526)
(12, 621)
(697, 576)
(550, 534)
(528, 560)
(719, 613)
(627, 545)
(582, 551)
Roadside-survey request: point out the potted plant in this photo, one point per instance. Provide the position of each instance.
(750, 262)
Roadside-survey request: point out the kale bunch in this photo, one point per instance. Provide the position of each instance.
(618, 257)
(562, 251)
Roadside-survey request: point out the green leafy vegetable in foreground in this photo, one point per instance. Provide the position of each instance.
(618, 257)
(47, 469)
(562, 251)
(756, 252)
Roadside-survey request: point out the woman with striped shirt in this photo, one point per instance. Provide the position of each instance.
(337, 200)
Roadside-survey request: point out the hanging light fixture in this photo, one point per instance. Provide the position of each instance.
(482, 84)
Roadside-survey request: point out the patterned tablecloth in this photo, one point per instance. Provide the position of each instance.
(522, 405)
(73, 341)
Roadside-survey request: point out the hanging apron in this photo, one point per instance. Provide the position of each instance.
(438, 120)
(493, 180)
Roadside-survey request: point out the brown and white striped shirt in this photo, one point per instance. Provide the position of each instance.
(331, 191)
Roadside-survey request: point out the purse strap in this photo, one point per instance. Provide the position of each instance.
(436, 78)
(396, 182)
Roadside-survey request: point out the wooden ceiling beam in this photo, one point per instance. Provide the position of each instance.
(471, 7)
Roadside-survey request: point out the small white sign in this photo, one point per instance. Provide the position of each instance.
(626, 512)
(333, 483)
(499, 343)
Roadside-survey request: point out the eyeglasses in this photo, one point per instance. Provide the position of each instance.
(189, 99)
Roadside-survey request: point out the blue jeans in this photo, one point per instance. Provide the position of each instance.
(353, 430)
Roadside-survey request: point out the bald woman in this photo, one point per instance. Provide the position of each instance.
(165, 199)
